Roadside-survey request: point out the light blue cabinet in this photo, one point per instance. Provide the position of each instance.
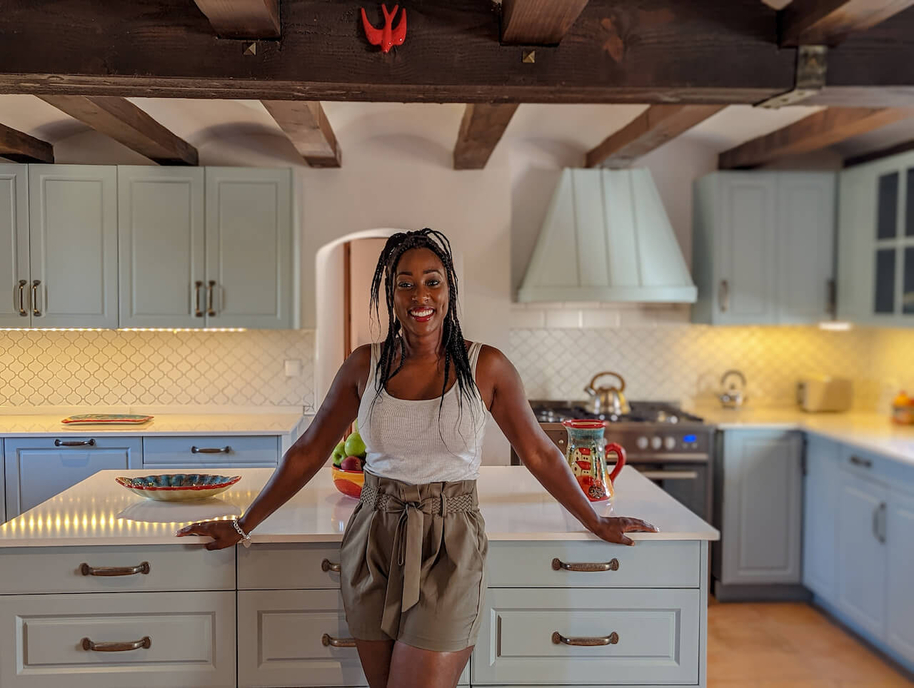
(14, 247)
(762, 507)
(2, 487)
(38, 469)
(900, 584)
(160, 231)
(73, 245)
(249, 248)
(763, 247)
(820, 513)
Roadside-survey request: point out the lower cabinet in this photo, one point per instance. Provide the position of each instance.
(820, 514)
(211, 452)
(900, 612)
(2, 487)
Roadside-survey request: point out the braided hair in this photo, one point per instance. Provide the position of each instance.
(452, 336)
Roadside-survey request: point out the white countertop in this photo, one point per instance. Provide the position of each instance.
(49, 425)
(515, 506)
(866, 431)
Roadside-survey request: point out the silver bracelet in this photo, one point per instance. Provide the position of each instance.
(245, 537)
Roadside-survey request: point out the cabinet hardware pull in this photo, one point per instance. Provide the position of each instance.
(832, 291)
(612, 565)
(74, 443)
(35, 309)
(329, 641)
(724, 296)
(327, 566)
(876, 523)
(611, 639)
(209, 298)
(21, 288)
(198, 311)
(880, 535)
(670, 475)
(88, 645)
(210, 450)
(857, 461)
(87, 570)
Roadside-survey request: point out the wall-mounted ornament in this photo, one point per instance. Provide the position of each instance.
(387, 37)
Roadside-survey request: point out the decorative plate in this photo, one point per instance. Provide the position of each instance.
(178, 487)
(108, 418)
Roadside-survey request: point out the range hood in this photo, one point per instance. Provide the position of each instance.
(607, 237)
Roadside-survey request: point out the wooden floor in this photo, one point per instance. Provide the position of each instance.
(789, 645)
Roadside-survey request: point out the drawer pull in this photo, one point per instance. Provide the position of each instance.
(89, 646)
(210, 450)
(328, 640)
(87, 570)
(857, 461)
(327, 566)
(558, 564)
(74, 443)
(611, 639)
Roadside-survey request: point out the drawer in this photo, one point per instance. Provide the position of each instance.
(59, 569)
(300, 566)
(238, 451)
(191, 640)
(656, 631)
(649, 564)
(889, 471)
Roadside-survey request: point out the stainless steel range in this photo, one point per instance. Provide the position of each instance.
(671, 447)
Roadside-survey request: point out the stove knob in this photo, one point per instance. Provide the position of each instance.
(656, 442)
(642, 443)
(670, 443)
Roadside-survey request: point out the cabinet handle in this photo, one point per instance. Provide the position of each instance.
(89, 646)
(724, 296)
(35, 309)
(611, 639)
(558, 564)
(857, 461)
(832, 292)
(881, 534)
(209, 298)
(329, 641)
(109, 571)
(198, 311)
(23, 312)
(74, 443)
(210, 450)
(327, 566)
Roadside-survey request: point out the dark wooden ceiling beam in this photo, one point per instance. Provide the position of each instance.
(127, 124)
(818, 130)
(829, 22)
(20, 147)
(242, 18)
(307, 127)
(538, 22)
(649, 130)
(481, 129)
(863, 158)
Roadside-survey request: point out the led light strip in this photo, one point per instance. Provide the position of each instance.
(123, 329)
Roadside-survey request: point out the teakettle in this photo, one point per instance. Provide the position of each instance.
(586, 454)
(608, 399)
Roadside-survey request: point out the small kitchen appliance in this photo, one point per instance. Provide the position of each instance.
(607, 399)
(822, 393)
(586, 455)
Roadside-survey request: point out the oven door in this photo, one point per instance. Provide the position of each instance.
(688, 483)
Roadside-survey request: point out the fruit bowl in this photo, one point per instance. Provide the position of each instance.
(348, 482)
(178, 487)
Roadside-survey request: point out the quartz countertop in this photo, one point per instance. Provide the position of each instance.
(98, 511)
(866, 431)
(163, 424)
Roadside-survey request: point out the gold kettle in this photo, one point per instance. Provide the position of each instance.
(608, 400)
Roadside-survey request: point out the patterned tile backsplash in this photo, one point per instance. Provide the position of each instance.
(73, 368)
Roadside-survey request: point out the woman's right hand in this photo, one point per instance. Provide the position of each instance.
(223, 533)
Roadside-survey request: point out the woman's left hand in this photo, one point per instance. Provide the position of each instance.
(613, 529)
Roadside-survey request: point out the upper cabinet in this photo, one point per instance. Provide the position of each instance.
(876, 243)
(14, 240)
(763, 247)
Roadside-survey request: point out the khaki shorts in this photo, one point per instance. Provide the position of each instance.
(413, 562)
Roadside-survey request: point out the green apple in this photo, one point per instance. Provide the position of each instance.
(354, 445)
(339, 454)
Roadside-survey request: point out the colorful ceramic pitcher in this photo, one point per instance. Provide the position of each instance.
(586, 455)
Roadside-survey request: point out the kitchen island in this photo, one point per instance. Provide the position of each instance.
(95, 590)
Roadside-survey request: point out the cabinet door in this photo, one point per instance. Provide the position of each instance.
(2, 487)
(160, 244)
(14, 246)
(806, 240)
(762, 516)
(899, 593)
(820, 513)
(38, 469)
(746, 245)
(73, 244)
(861, 552)
(249, 248)
(856, 210)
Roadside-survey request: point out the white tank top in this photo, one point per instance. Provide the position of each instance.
(405, 439)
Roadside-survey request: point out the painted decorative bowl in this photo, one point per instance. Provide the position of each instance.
(178, 487)
(348, 482)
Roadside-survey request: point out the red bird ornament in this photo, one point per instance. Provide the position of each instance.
(387, 37)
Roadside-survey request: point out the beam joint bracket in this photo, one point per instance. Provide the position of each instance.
(812, 65)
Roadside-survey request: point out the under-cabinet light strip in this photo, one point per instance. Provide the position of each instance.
(123, 329)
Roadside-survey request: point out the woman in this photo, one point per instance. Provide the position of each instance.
(413, 554)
